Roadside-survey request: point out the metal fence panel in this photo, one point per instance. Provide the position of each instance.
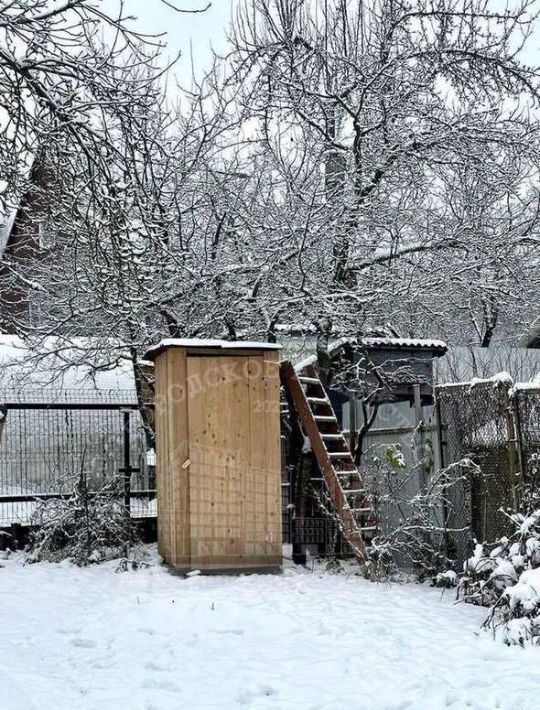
(48, 442)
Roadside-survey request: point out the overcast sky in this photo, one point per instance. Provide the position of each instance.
(197, 33)
(185, 33)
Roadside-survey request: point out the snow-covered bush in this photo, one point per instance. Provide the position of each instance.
(506, 576)
(88, 526)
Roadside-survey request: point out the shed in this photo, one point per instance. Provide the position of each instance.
(218, 454)
(389, 368)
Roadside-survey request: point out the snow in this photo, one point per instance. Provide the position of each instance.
(496, 380)
(526, 593)
(91, 638)
(202, 343)
(6, 225)
(533, 386)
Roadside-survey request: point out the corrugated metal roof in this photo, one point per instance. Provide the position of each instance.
(397, 343)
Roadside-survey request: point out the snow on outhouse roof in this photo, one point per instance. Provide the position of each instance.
(202, 343)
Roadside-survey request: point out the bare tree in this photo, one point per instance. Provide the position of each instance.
(402, 143)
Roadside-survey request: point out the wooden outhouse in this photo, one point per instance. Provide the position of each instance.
(218, 454)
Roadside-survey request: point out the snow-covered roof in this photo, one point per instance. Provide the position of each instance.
(437, 346)
(9, 214)
(202, 343)
(405, 343)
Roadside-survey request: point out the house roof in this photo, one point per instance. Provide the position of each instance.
(8, 219)
(436, 347)
(62, 370)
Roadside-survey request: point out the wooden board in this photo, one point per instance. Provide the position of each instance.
(171, 453)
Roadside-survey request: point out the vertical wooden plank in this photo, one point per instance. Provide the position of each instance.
(162, 457)
(177, 412)
(232, 432)
(255, 522)
(196, 435)
(273, 457)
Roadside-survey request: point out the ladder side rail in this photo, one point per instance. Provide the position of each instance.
(335, 491)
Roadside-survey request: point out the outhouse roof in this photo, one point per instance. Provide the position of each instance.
(212, 344)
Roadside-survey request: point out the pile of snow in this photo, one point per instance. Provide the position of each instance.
(91, 638)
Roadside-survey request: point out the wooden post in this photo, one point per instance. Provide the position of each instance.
(421, 440)
(514, 448)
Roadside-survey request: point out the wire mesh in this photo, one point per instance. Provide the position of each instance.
(475, 422)
(44, 450)
(527, 409)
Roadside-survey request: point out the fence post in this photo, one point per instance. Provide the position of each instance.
(126, 469)
(421, 440)
(513, 446)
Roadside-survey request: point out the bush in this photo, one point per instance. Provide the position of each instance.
(86, 527)
(506, 576)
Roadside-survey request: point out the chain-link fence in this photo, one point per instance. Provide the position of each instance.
(478, 429)
(526, 401)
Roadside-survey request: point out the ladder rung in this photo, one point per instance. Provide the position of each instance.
(318, 400)
(368, 529)
(310, 381)
(354, 491)
(333, 437)
(339, 454)
(361, 510)
(324, 418)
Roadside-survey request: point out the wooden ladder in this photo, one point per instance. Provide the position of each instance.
(336, 463)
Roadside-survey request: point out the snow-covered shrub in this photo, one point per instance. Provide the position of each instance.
(88, 526)
(446, 580)
(506, 576)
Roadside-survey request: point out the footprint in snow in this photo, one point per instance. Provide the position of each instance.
(152, 666)
(162, 685)
(83, 643)
(247, 696)
(67, 632)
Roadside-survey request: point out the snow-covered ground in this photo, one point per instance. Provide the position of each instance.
(91, 638)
